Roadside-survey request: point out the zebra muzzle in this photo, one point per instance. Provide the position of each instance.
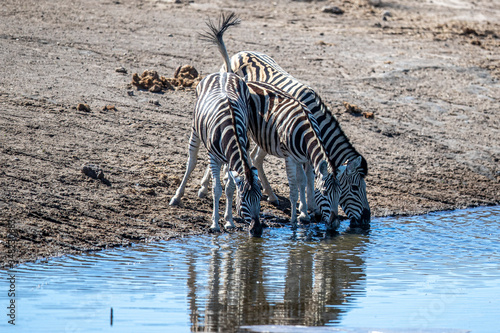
(255, 229)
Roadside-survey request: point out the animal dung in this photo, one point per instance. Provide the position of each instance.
(352, 108)
(368, 115)
(184, 77)
(83, 107)
(356, 111)
(109, 108)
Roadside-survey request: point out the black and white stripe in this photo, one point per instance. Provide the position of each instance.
(353, 195)
(255, 66)
(283, 126)
(220, 121)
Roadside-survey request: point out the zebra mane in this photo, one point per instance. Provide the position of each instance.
(310, 118)
(316, 130)
(326, 110)
(242, 151)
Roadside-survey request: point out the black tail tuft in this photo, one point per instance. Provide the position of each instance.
(214, 35)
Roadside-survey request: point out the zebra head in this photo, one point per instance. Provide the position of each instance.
(353, 194)
(329, 190)
(249, 194)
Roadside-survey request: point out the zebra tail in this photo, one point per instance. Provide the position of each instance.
(216, 32)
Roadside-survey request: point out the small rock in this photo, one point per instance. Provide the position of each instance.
(375, 3)
(92, 171)
(332, 10)
(149, 191)
(121, 70)
(130, 93)
(83, 107)
(154, 102)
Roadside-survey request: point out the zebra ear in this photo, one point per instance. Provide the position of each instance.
(353, 165)
(323, 168)
(340, 170)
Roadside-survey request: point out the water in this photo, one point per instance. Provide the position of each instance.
(433, 273)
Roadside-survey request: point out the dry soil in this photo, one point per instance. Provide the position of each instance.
(426, 71)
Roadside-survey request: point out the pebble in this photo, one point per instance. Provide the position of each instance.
(121, 70)
(92, 171)
(332, 10)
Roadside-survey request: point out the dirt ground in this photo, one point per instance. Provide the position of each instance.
(428, 71)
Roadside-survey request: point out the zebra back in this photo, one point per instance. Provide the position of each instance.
(276, 117)
(255, 66)
(221, 120)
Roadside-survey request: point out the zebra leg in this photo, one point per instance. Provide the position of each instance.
(291, 172)
(301, 180)
(230, 188)
(202, 192)
(257, 155)
(311, 201)
(194, 147)
(216, 192)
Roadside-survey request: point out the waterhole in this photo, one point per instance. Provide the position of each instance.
(433, 273)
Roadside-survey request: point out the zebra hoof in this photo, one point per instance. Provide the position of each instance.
(175, 202)
(229, 226)
(202, 193)
(304, 218)
(214, 229)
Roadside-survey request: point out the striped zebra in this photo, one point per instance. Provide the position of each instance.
(282, 126)
(255, 66)
(220, 121)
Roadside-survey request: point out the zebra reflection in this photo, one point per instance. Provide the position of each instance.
(249, 282)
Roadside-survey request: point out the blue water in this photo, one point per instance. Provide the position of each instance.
(433, 273)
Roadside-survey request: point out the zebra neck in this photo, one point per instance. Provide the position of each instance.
(337, 145)
(237, 163)
(237, 156)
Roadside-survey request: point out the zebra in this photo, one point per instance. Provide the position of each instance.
(255, 66)
(349, 177)
(220, 121)
(282, 126)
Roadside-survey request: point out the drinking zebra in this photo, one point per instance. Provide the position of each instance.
(282, 126)
(255, 66)
(220, 121)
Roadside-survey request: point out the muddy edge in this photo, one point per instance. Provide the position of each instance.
(428, 73)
